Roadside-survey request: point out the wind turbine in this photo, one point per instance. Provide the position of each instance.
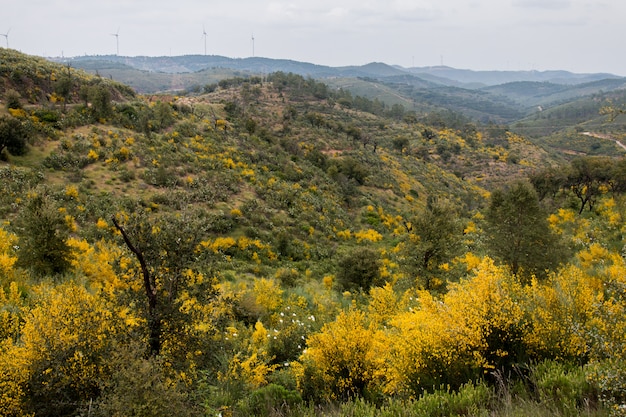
(204, 34)
(6, 35)
(117, 41)
(253, 45)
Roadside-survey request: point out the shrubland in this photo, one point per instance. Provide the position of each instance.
(271, 248)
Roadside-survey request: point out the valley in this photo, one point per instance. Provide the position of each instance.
(202, 236)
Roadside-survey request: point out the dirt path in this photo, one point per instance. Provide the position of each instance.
(605, 136)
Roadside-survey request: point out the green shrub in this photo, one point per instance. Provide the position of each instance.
(143, 387)
(267, 400)
(43, 234)
(561, 387)
(470, 399)
(359, 269)
(609, 378)
(13, 99)
(358, 408)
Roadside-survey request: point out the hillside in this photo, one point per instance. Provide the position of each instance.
(525, 99)
(274, 246)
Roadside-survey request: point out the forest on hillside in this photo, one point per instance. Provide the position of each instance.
(272, 247)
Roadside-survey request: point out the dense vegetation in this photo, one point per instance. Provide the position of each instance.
(273, 247)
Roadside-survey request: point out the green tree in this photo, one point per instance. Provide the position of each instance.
(165, 248)
(585, 178)
(43, 234)
(434, 238)
(400, 143)
(12, 136)
(64, 86)
(548, 182)
(99, 96)
(518, 232)
(359, 269)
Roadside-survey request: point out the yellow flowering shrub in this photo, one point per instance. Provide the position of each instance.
(7, 260)
(343, 360)
(12, 307)
(369, 235)
(267, 294)
(450, 340)
(71, 191)
(383, 305)
(13, 379)
(558, 310)
(64, 339)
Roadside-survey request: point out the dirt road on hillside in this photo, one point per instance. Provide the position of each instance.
(605, 136)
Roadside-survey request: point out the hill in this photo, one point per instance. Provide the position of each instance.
(500, 97)
(275, 246)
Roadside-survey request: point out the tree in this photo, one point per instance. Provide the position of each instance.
(519, 234)
(100, 98)
(43, 234)
(400, 143)
(12, 136)
(360, 269)
(586, 177)
(434, 238)
(165, 248)
(548, 182)
(64, 86)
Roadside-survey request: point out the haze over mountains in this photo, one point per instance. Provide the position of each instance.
(486, 96)
(437, 74)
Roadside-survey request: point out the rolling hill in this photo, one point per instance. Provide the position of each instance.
(272, 244)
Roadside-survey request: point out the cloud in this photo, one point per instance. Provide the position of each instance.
(543, 4)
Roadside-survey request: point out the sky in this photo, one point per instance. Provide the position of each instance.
(582, 36)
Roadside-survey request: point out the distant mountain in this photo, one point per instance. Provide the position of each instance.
(195, 63)
(440, 74)
(489, 78)
(487, 96)
(530, 93)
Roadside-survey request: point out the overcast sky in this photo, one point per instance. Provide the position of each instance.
(575, 35)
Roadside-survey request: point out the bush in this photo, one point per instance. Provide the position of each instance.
(562, 387)
(12, 136)
(43, 234)
(360, 269)
(264, 401)
(468, 400)
(609, 378)
(13, 99)
(142, 387)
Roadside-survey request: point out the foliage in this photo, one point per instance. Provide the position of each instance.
(609, 378)
(344, 360)
(12, 136)
(275, 239)
(477, 324)
(562, 387)
(434, 238)
(166, 251)
(359, 270)
(265, 400)
(519, 232)
(60, 358)
(143, 387)
(470, 399)
(43, 232)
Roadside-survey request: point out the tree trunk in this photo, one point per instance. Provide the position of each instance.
(154, 319)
